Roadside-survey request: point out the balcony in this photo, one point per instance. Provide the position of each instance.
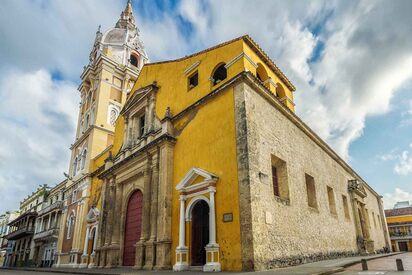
(400, 235)
(51, 233)
(20, 233)
(54, 206)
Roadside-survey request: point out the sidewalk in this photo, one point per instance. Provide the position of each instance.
(322, 267)
(316, 268)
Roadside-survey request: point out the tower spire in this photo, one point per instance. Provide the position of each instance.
(128, 10)
(126, 17)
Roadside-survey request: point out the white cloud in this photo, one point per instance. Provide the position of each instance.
(404, 165)
(365, 55)
(402, 160)
(37, 121)
(54, 35)
(389, 199)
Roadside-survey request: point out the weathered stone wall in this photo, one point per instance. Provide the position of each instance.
(288, 232)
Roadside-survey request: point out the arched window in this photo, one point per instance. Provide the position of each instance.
(74, 166)
(78, 162)
(87, 121)
(70, 226)
(261, 73)
(89, 99)
(219, 74)
(280, 91)
(113, 116)
(133, 60)
(83, 162)
(92, 114)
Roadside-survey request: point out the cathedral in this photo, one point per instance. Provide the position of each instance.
(201, 163)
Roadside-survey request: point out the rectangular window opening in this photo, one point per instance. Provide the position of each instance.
(331, 199)
(279, 178)
(345, 206)
(193, 80)
(141, 125)
(311, 191)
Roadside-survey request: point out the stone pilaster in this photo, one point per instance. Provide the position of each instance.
(242, 148)
(116, 217)
(149, 256)
(164, 227)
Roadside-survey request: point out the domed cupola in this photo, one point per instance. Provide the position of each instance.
(122, 43)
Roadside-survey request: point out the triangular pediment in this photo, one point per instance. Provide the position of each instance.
(196, 177)
(357, 187)
(93, 214)
(137, 96)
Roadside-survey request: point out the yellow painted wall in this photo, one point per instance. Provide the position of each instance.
(399, 219)
(250, 67)
(209, 142)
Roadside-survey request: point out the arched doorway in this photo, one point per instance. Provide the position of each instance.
(200, 233)
(133, 227)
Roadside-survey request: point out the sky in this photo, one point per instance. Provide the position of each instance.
(351, 63)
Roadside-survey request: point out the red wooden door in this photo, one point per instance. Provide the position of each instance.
(133, 227)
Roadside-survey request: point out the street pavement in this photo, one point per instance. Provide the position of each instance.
(317, 268)
(385, 266)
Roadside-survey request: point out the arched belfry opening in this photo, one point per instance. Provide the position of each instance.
(261, 73)
(219, 73)
(133, 227)
(134, 60)
(200, 233)
(280, 91)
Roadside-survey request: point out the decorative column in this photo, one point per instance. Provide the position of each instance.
(212, 217)
(49, 222)
(212, 249)
(150, 245)
(85, 255)
(141, 254)
(181, 250)
(116, 201)
(93, 255)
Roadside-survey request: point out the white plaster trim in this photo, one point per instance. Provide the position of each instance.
(270, 81)
(197, 186)
(192, 67)
(243, 54)
(191, 176)
(188, 214)
(197, 194)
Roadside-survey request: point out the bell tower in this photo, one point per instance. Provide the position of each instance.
(115, 61)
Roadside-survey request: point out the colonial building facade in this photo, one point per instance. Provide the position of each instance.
(5, 248)
(115, 61)
(399, 221)
(20, 236)
(210, 168)
(197, 163)
(47, 227)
